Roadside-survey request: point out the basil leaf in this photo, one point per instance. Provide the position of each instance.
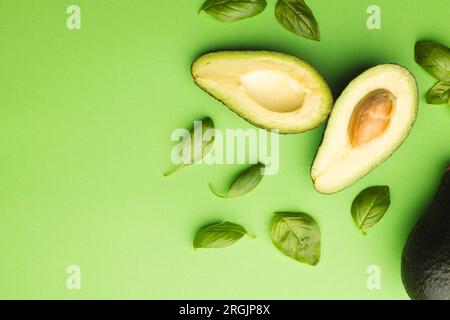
(196, 145)
(244, 183)
(219, 235)
(297, 17)
(370, 206)
(297, 236)
(434, 58)
(440, 93)
(233, 10)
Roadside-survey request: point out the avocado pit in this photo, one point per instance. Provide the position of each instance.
(273, 90)
(371, 117)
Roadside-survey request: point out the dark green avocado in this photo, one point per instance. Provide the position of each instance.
(426, 256)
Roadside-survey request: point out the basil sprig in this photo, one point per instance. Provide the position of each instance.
(370, 206)
(219, 235)
(297, 236)
(435, 59)
(297, 17)
(244, 183)
(294, 15)
(233, 10)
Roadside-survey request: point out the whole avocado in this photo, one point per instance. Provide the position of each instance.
(426, 256)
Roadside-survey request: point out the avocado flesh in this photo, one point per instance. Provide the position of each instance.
(426, 256)
(369, 121)
(271, 90)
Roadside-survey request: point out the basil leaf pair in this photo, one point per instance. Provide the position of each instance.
(297, 236)
(233, 10)
(435, 59)
(294, 15)
(196, 145)
(219, 235)
(244, 183)
(370, 206)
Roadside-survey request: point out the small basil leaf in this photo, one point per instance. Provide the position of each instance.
(297, 236)
(434, 58)
(233, 10)
(196, 145)
(439, 93)
(297, 17)
(219, 235)
(244, 183)
(370, 206)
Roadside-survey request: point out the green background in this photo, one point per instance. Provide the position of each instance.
(86, 118)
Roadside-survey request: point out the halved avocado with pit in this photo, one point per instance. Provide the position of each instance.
(370, 120)
(271, 90)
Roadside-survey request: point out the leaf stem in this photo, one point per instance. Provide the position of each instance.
(251, 235)
(216, 193)
(172, 171)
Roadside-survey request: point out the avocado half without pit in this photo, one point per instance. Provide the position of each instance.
(369, 121)
(271, 90)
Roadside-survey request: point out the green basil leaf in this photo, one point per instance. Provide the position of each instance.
(297, 17)
(297, 236)
(233, 10)
(440, 93)
(370, 206)
(244, 183)
(197, 144)
(219, 235)
(434, 58)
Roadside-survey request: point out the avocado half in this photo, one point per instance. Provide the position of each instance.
(426, 256)
(369, 121)
(271, 90)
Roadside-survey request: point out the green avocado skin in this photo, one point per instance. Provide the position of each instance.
(426, 256)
